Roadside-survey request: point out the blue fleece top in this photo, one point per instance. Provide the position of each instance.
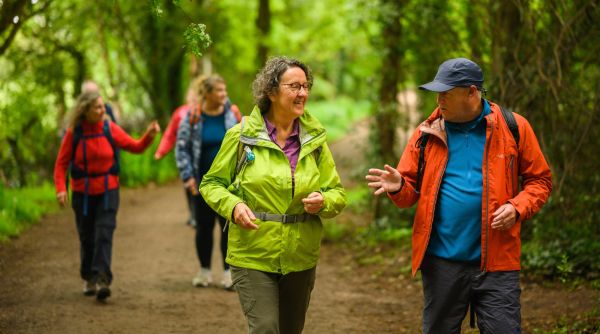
(456, 232)
(213, 132)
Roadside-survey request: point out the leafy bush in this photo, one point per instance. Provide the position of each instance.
(564, 240)
(139, 169)
(338, 115)
(20, 208)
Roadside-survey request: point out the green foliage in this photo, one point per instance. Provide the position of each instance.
(140, 169)
(587, 323)
(339, 115)
(564, 248)
(22, 207)
(196, 39)
(359, 199)
(333, 231)
(565, 268)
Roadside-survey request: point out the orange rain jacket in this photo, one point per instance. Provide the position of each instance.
(501, 167)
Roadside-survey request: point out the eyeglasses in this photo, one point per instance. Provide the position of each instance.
(295, 87)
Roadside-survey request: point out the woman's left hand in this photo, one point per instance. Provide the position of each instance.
(313, 202)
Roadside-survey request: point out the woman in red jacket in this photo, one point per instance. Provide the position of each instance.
(88, 150)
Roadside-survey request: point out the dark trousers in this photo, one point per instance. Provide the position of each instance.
(274, 303)
(205, 224)
(190, 201)
(449, 287)
(96, 233)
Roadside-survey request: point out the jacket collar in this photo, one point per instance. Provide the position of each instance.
(435, 125)
(255, 131)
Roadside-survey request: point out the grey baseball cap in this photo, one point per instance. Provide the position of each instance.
(456, 72)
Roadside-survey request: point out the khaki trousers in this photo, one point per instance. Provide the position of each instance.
(274, 303)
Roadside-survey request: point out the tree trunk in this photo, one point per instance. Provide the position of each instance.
(387, 112)
(507, 27)
(263, 23)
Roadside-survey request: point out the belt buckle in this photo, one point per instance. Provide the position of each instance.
(289, 218)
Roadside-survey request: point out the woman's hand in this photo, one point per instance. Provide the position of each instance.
(244, 217)
(313, 203)
(190, 185)
(388, 180)
(153, 129)
(62, 198)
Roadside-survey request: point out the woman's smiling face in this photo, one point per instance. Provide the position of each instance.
(289, 100)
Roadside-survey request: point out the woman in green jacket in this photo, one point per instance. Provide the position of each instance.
(274, 178)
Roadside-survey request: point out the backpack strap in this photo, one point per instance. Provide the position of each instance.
(195, 114)
(116, 167)
(77, 134)
(422, 142)
(510, 120)
(243, 159)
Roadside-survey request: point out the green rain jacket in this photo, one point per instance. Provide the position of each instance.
(265, 185)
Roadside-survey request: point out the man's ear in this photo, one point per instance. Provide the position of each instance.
(472, 90)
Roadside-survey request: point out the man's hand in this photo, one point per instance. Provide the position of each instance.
(190, 185)
(62, 198)
(244, 217)
(388, 180)
(313, 202)
(504, 218)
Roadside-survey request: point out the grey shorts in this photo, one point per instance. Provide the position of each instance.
(450, 287)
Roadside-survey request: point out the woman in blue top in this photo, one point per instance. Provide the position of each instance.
(199, 138)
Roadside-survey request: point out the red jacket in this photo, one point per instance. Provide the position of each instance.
(502, 165)
(167, 142)
(99, 156)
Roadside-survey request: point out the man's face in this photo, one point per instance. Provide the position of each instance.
(454, 103)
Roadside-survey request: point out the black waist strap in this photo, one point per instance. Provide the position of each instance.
(286, 219)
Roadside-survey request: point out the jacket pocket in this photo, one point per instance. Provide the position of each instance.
(512, 181)
(241, 283)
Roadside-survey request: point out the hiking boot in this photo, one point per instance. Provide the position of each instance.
(203, 278)
(226, 281)
(89, 288)
(103, 290)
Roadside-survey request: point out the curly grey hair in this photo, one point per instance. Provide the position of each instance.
(267, 80)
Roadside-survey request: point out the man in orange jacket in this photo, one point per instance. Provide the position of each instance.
(466, 231)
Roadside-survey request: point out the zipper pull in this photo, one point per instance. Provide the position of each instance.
(225, 226)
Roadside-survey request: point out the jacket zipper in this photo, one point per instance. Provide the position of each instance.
(439, 182)
(487, 197)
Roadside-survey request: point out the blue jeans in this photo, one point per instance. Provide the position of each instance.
(449, 288)
(96, 233)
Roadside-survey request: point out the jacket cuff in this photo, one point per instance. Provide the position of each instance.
(393, 193)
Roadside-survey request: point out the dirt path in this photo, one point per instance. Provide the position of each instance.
(154, 262)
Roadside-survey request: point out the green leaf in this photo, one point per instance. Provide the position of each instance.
(196, 39)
